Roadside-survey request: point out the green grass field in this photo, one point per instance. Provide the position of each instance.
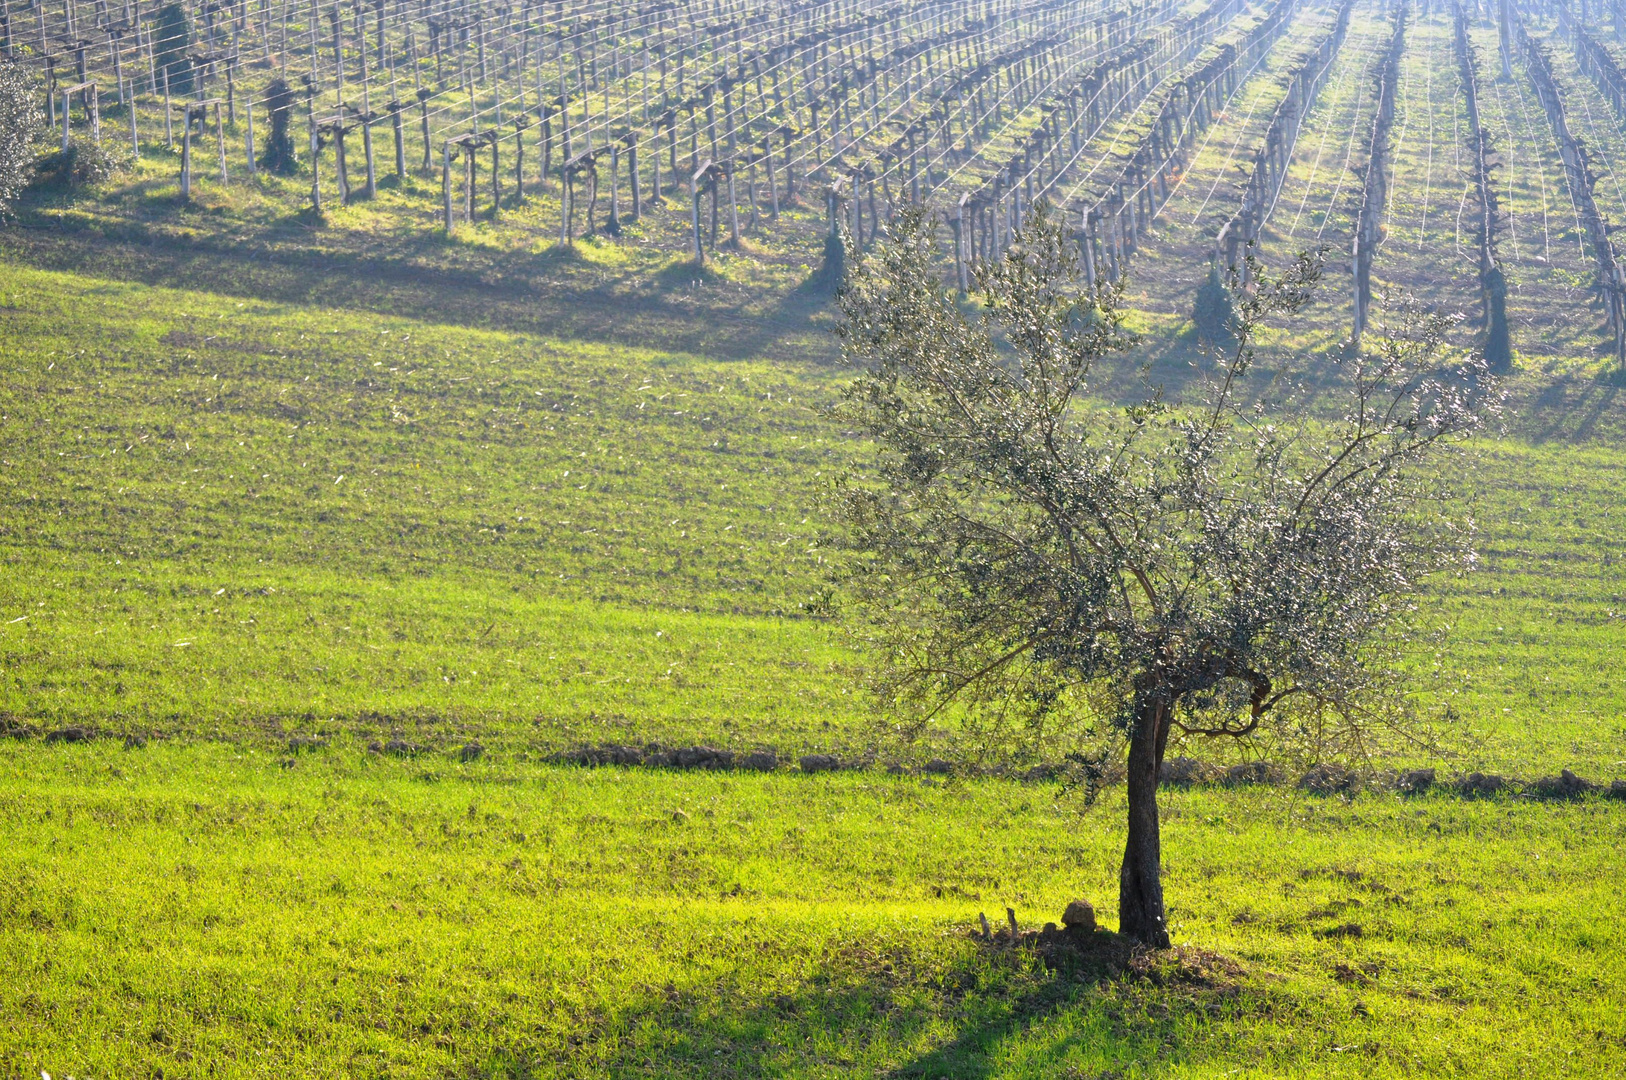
(539, 542)
(232, 519)
(267, 478)
(354, 916)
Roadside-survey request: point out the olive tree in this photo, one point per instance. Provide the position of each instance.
(19, 125)
(1226, 561)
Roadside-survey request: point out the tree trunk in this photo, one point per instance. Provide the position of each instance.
(1140, 882)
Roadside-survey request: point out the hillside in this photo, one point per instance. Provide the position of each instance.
(368, 582)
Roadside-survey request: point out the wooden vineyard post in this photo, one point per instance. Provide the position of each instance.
(521, 122)
(630, 140)
(766, 155)
(961, 281)
(613, 226)
(671, 148)
(423, 119)
(694, 193)
(790, 168)
(956, 224)
(856, 201)
(446, 186)
(565, 195)
(394, 108)
(341, 162)
(220, 139)
(590, 166)
(113, 39)
(544, 141)
(711, 192)
(186, 156)
(338, 50)
(248, 110)
(1086, 244)
(316, 147)
(754, 193)
(366, 124)
(733, 208)
(494, 137)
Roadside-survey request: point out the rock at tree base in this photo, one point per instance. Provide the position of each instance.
(820, 763)
(1079, 916)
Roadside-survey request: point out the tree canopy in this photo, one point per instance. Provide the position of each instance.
(1224, 562)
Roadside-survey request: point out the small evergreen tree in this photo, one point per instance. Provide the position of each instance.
(19, 124)
(280, 155)
(833, 270)
(1215, 312)
(1498, 346)
(172, 38)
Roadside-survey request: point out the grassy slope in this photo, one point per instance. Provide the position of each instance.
(355, 916)
(536, 541)
(179, 555)
(170, 476)
(523, 529)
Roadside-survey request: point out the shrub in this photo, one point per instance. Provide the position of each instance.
(833, 270)
(172, 37)
(280, 155)
(1215, 312)
(83, 162)
(19, 124)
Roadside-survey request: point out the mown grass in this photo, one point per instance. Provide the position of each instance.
(357, 916)
(263, 476)
(240, 511)
(224, 516)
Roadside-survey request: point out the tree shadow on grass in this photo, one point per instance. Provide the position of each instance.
(1570, 409)
(422, 275)
(965, 1012)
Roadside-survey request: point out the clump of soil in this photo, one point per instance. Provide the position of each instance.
(1098, 955)
(13, 728)
(1481, 784)
(1566, 785)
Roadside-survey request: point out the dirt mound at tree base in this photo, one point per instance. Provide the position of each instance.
(1101, 954)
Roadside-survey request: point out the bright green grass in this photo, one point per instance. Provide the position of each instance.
(201, 910)
(250, 512)
(537, 542)
(178, 554)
